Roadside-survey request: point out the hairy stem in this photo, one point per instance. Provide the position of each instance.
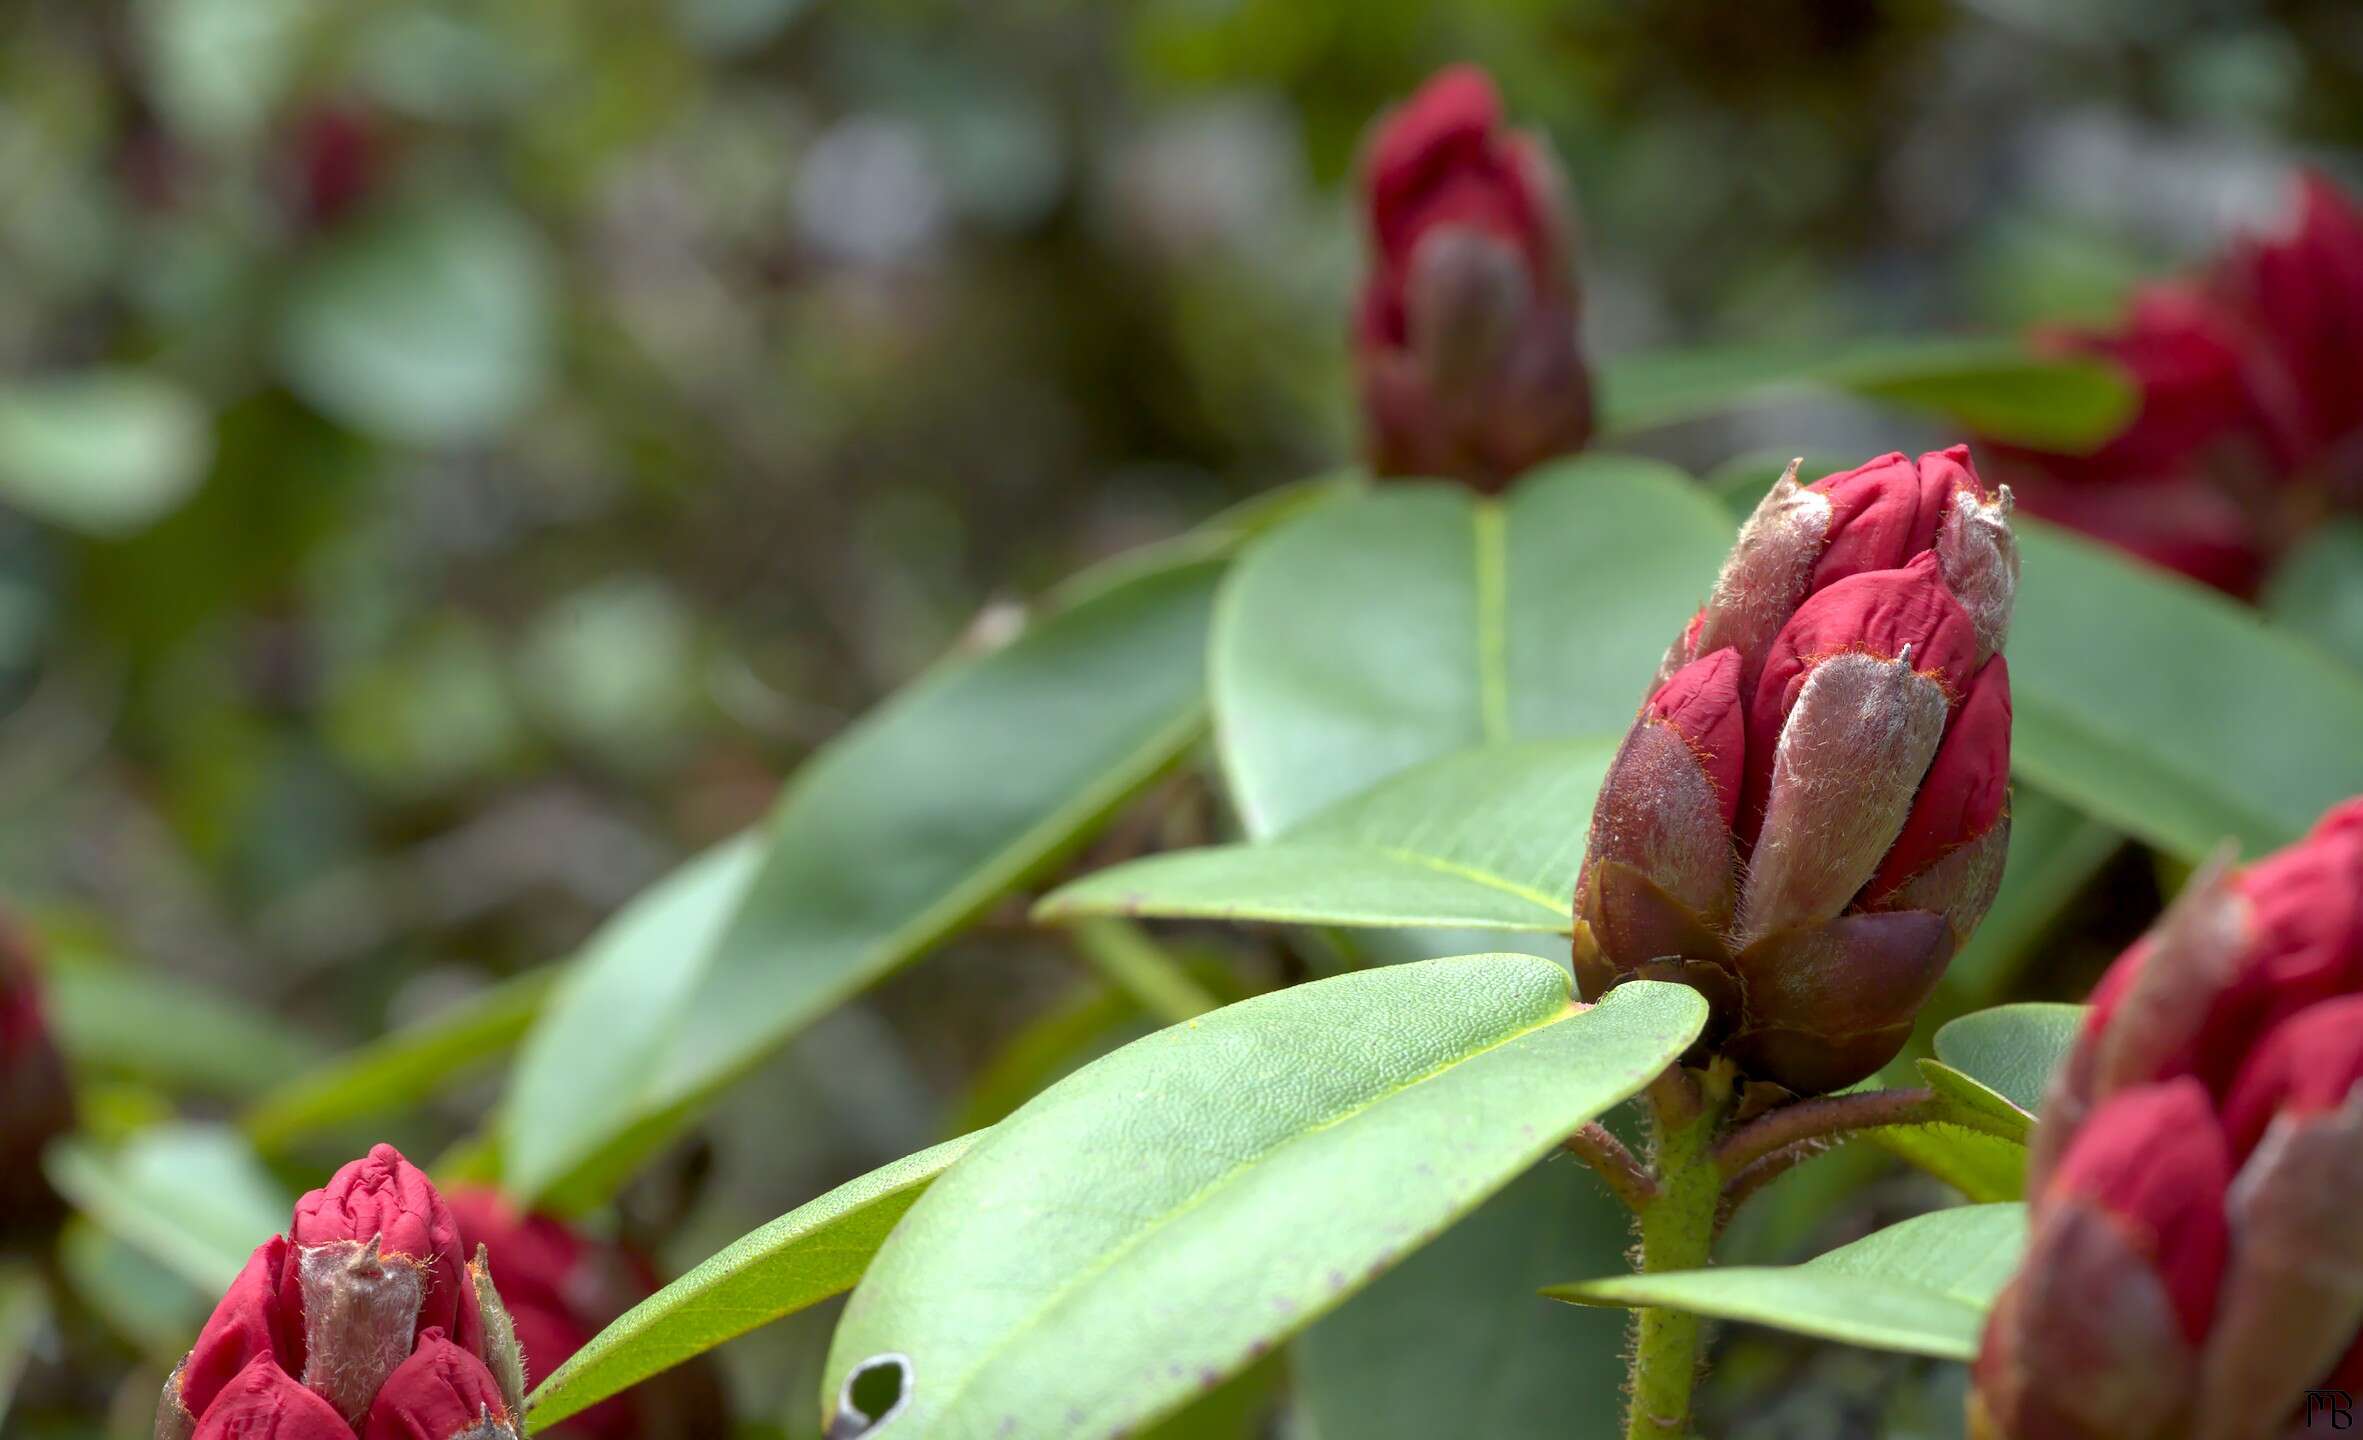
(1677, 1231)
(1607, 1156)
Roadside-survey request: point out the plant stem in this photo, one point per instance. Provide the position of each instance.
(1677, 1231)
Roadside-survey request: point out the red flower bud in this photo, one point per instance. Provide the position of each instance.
(2300, 294)
(249, 1323)
(261, 1402)
(2155, 1160)
(440, 1393)
(383, 1197)
(1465, 335)
(1836, 716)
(2211, 1108)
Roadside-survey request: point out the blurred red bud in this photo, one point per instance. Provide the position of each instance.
(1465, 334)
(2154, 1160)
(1834, 727)
(36, 1096)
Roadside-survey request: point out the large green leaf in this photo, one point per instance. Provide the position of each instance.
(1455, 1341)
(2168, 710)
(399, 1068)
(956, 790)
(2012, 1049)
(194, 1198)
(1922, 1287)
(131, 1020)
(1996, 386)
(1488, 839)
(814, 1251)
(1420, 620)
(104, 451)
(1158, 1219)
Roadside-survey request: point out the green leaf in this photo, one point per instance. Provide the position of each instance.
(2169, 711)
(1455, 1341)
(1975, 1100)
(402, 1067)
(1984, 1168)
(2012, 1050)
(1921, 1287)
(157, 1310)
(1160, 1218)
(958, 789)
(1488, 839)
(1995, 386)
(194, 1198)
(1419, 620)
(812, 1252)
(2317, 589)
(104, 452)
(427, 326)
(132, 1021)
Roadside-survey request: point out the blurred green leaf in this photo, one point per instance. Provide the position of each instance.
(1921, 1287)
(1092, 1022)
(1361, 1115)
(136, 1022)
(2054, 852)
(2012, 1049)
(1143, 970)
(817, 1250)
(1488, 839)
(1997, 387)
(219, 68)
(1456, 1341)
(24, 1315)
(428, 326)
(2317, 589)
(155, 1308)
(194, 1198)
(956, 790)
(104, 452)
(400, 1068)
(1418, 620)
(2169, 711)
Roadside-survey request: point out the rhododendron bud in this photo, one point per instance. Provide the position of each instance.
(1465, 335)
(36, 1099)
(2300, 293)
(1809, 817)
(440, 1393)
(2245, 1004)
(339, 1319)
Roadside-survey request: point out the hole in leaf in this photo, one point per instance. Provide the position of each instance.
(874, 1394)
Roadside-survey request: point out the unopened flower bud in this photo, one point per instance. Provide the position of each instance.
(1809, 817)
(441, 1392)
(263, 1402)
(1465, 335)
(2213, 1099)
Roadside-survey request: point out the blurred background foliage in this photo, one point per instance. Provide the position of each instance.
(455, 459)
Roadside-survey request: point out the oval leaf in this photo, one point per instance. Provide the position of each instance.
(1488, 839)
(953, 792)
(812, 1252)
(1981, 1102)
(2168, 710)
(1157, 1220)
(1921, 1287)
(1421, 620)
(2012, 1050)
